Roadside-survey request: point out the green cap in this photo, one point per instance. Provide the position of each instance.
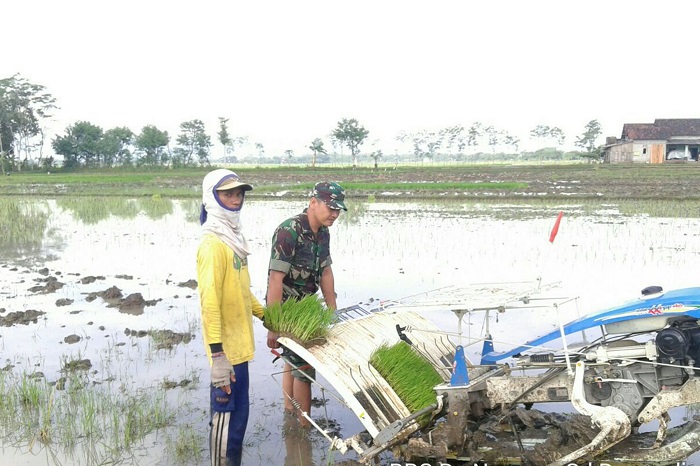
(330, 193)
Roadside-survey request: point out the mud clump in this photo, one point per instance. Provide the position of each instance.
(163, 339)
(77, 365)
(91, 279)
(550, 436)
(110, 294)
(134, 304)
(27, 317)
(52, 284)
(170, 384)
(191, 284)
(71, 339)
(63, 302)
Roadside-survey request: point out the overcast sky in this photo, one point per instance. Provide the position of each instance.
(285, 72)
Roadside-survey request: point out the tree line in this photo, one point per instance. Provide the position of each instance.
(25, 107)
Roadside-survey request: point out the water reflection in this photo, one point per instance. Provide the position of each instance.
(23, 225)
(381, 250)
(156, 207)
(191, 209)
(297, 442)
(91, 211)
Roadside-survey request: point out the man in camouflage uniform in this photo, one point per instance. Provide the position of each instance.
(300, 264)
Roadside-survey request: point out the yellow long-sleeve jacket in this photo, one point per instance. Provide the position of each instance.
(227, 303)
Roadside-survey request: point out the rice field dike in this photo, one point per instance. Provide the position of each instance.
(670, 181)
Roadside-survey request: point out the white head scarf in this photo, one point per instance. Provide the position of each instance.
(219, 220)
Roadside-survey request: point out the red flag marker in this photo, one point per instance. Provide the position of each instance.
(555, 228)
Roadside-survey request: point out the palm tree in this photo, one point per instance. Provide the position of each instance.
(317, 148)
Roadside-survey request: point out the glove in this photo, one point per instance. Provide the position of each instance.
(221, 371)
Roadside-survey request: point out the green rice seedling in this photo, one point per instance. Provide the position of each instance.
(22, 224)
(356, 210)
(306, 320)
(80, 415)
(45, 425)
(433, 186)
(186, 448)
(31, 391)
(660, 208)
(410, 375)
(5, 403)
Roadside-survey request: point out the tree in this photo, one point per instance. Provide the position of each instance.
(350, 133)
(260, 148)
(402, 137)
(540, 132)
(23, 106)
(553, 135)
(376, 155)
(493, 137)
(426, 144)
(289, 153)
(229, 142)
(224, 137)
(510, 140)
(317, 148)
(587, 140)
(454, 135)
(558, 135)
(115, 146)
(81, 145)
(152, 143)
(193, 140)
(474, 134)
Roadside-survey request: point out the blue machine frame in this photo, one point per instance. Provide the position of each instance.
(670, 304)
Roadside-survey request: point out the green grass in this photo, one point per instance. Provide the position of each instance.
(351, 186)
(599, 181)
(306, 320)
(410, 375)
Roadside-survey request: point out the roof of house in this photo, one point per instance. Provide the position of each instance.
(661, 129)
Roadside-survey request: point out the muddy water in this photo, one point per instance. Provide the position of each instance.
(380, 251)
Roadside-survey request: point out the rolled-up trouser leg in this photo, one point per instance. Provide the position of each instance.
(229, 418)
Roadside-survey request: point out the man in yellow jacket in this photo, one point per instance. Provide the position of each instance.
(228, 307)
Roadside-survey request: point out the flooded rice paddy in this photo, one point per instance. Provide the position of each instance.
(100, 325)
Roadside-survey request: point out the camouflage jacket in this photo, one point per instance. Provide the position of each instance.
(301, 255)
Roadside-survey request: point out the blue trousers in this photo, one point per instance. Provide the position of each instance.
(229, 419)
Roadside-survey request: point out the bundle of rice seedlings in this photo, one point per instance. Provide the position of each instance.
(410, 375)
(306, 320)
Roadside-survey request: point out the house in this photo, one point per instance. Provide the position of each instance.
(659, 142)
